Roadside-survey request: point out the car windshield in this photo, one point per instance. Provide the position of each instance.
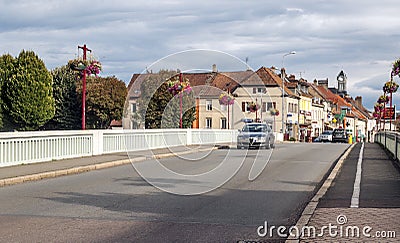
(327, 132)
(255, 128)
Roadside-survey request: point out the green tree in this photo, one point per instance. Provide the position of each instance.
(67, 106)
(105, 101)
(28, 93)
(6, 69)
(160, 108)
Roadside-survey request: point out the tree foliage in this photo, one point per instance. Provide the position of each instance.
(67, 106)
(160, 108)
(105, 100)
(6, 70)
(27, 91)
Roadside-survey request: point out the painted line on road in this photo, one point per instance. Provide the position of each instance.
(312, 205)
(355, 199)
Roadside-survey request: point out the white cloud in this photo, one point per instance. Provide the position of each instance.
(127, 36)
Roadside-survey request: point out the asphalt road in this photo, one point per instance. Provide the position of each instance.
(117, 205)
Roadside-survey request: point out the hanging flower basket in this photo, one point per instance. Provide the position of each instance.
(226, 99)
(396, 68)
(253, 107)
(92, 67)
(390, 87)
(177, 87)
(376, 114)
(78, 64)
(379, 107)
(274, 112)
(383, 99)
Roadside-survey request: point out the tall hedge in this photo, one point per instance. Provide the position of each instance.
(27, 92)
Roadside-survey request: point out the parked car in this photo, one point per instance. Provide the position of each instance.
(255, 135)
(326, 136)
(339, 135)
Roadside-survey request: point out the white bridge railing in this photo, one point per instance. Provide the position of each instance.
(31, 147)
(390, 141)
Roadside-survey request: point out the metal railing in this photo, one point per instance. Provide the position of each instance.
(390, 141)
(31, 147)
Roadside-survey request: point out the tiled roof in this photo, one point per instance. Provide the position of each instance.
(135, 83)
(196, 79)
(269, 77)
(224, 81)
(340, 102)
(115, 123)
(240, 76)
(206, 91)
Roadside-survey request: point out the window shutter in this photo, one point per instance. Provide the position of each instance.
(243, 106)
(254, 90)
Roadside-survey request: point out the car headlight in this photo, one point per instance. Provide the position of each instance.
(263, 139)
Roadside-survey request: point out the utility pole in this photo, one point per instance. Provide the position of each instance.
(85, 49)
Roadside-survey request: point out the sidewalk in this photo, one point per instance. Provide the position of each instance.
(31, 172)
(377, 217)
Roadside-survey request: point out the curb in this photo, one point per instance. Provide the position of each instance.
(312, 205)
(87, 168)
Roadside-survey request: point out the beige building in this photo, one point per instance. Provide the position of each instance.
(305, 110)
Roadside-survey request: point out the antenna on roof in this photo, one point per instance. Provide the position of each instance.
(247, 60)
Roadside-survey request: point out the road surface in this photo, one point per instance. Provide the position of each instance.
(117, 205)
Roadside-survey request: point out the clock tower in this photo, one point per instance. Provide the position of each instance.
(342, 82)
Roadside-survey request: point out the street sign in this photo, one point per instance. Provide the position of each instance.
(389, 113)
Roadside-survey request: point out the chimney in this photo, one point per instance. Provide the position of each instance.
(359, 101)
(323, 82)
(214, 68)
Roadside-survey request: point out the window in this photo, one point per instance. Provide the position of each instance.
(271, 105)
(133, 107)
(223, 108)
(208, 105)
(223, 123)
(264, 107)
(208, 122)
(259, 90)
(245, 106)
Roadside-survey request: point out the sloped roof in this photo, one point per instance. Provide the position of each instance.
(239, 76)
(207, 91)
(135, 83)
(269, 77)
(224, 81)
(115, 123)
(340, 102)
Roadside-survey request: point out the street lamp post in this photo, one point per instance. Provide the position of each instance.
(180, 101)
(283, 73)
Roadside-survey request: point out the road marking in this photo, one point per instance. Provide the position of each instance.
(355, 199)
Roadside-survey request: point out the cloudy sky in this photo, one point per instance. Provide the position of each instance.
(360, 37)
